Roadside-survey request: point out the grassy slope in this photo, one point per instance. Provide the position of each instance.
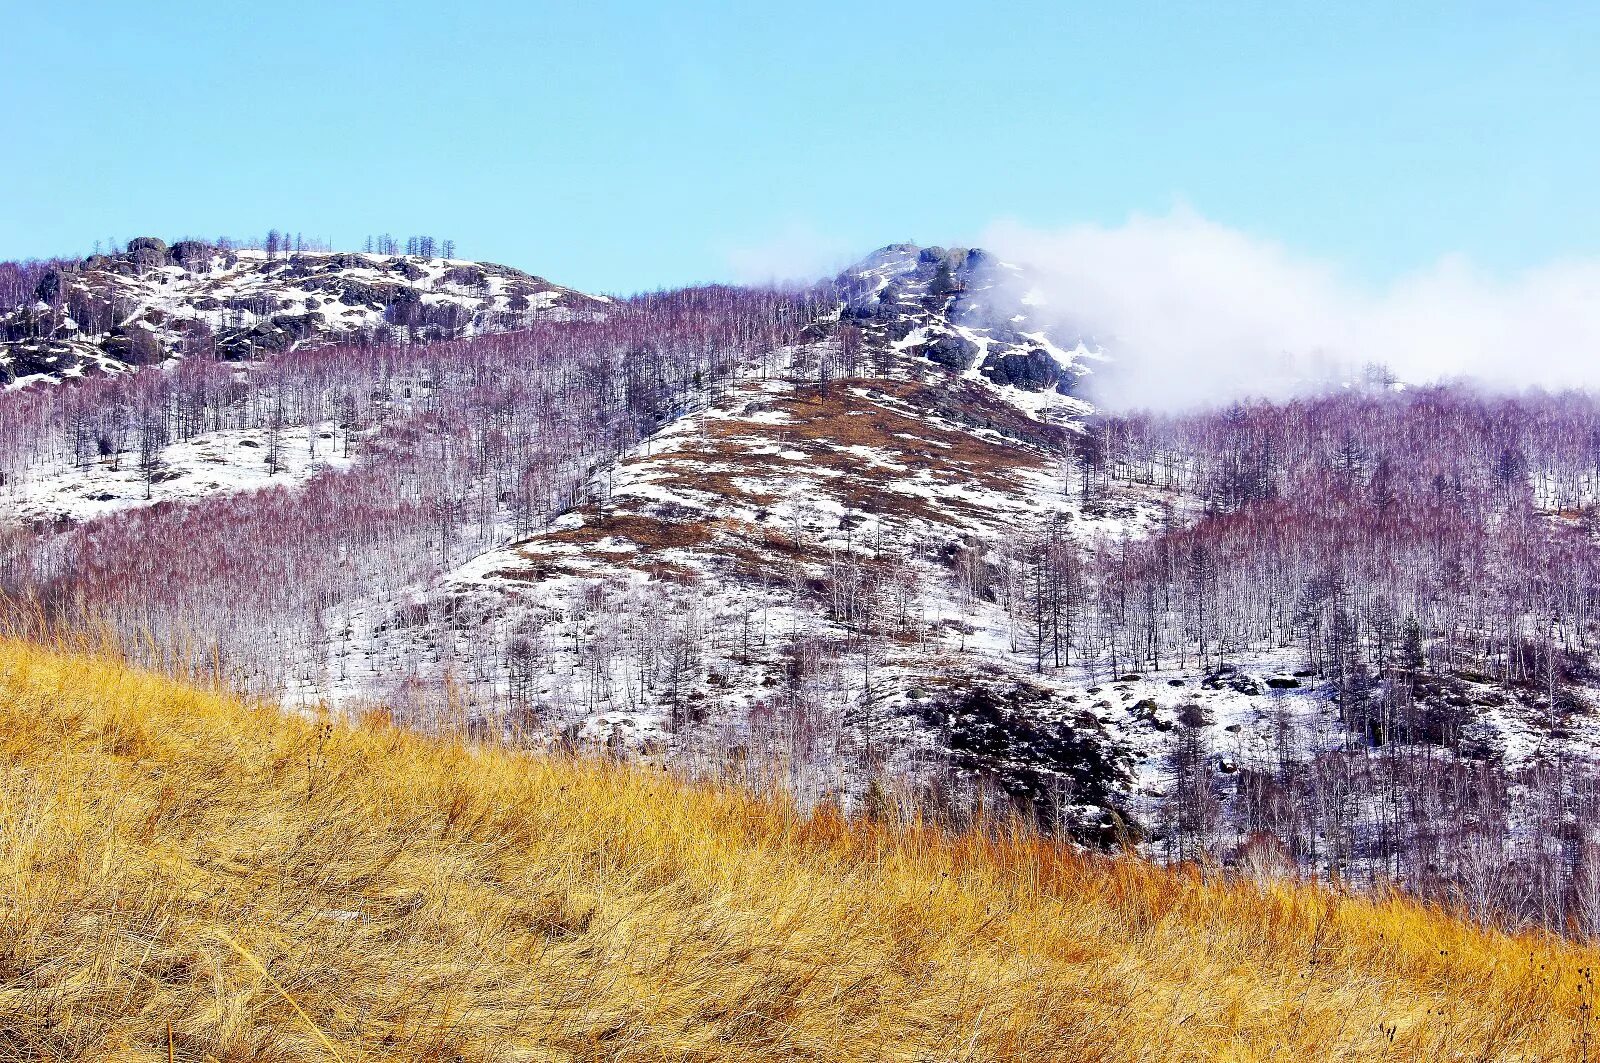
(276, 888)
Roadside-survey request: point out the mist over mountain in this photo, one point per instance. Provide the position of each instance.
(1193, 313)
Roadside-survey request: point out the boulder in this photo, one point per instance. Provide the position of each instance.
(191, 254)
(360, 293)
(955, 353)
(1034, 371)
(48, 290)
(269, 337)
(147, 252)
(469, 276)
(405, 307)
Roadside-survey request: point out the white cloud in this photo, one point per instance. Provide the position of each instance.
(798, 253)
(1195, 313)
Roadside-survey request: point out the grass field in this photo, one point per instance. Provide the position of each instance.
(186, 873)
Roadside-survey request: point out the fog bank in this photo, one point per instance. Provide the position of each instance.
(1196, 313)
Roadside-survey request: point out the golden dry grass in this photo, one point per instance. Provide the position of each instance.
(279, 888)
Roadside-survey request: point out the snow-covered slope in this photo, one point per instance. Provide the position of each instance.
(112, 312)
(220, 462)
(839, 568)
(828, 522)
(816, 566)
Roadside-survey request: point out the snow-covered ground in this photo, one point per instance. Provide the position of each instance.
(215, 463)
(676, 596)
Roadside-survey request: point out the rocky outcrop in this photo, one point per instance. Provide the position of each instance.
(151, 302)
(959, 311)
(1033, 371)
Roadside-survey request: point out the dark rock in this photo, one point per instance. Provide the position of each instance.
(119, 345)
(147, 252)
(348, 261)
(48, 290)
(191, 253)
(469, 276)
(405, 306)
(1034, 371)
(260, 304)
(272, 336)
(955, 353)
(360, 293)
(1009, 735)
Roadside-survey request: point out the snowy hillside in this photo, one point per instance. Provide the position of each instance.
(153, 302)
(778, 566)
(212, 463)
(867, 537)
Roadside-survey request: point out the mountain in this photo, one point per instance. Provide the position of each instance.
(823, 507)
(151, 302)
(869, 539)
(965, 312)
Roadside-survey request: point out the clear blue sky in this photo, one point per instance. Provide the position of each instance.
(617, 146)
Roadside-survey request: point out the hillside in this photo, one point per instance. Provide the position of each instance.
(870, 535)
(189, 874)
(114, 312)
(774, 570)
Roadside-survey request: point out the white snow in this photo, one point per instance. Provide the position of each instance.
(216, 463)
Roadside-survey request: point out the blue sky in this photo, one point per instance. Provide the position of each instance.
(626, 145)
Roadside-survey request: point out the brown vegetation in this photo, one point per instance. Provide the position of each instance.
(189, 874)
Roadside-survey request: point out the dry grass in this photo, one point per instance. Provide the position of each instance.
(728, 464)
(277, 888)
(821, 425)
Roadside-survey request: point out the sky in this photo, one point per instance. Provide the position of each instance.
(626, 146)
